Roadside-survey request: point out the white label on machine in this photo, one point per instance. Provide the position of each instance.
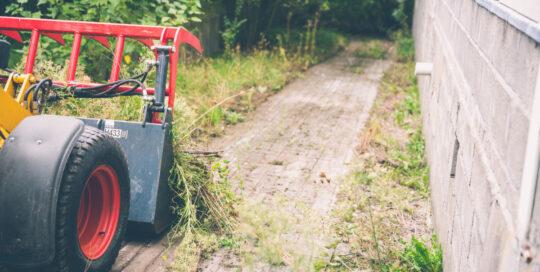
(109, 123)
(115, 132)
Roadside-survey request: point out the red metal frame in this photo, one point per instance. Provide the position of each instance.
(54, 29)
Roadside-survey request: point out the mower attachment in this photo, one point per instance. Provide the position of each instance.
(148, 145)
(37, 149)
(149, 152)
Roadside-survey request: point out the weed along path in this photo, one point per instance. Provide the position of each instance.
(287, 163)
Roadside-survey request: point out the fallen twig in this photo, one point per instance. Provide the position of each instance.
(204, 153)
(208, 111)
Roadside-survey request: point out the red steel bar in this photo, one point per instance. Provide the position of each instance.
(102, 40)
(117, 60)
(56, 37)
(173, 72)
(181, 36)
(12, 34)
(10, 26)
(74, 57)
(32, 51)
(89, 28)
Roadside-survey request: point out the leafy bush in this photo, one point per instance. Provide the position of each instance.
(362, 16)
(419, 257)
(95, 56)
(127, 11)
(404, 46)
(352, 16)
(230, 33)
(374, 49)
(327, 42)
(403, 13)
(369, 16)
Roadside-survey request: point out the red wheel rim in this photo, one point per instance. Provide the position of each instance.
(99, 212)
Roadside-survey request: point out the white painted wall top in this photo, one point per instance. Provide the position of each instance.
(528, 8)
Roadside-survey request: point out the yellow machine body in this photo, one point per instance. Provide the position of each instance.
(12, 107)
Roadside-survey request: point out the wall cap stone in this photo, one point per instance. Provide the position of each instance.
(522, 23)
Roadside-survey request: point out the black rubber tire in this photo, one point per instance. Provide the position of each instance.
(93, 148)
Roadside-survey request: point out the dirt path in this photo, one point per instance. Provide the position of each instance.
(291, 155)
(308, 129)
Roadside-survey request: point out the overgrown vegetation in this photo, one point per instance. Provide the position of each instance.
(315, 45)
(352, 16)
(372, 49)
(417, 257)
(205, 209)
(271, 235)
(404, 45)
(384, 203)
(220, 91)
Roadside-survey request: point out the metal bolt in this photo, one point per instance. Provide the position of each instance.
(38, 142)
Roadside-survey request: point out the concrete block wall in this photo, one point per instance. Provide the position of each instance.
(476, 105)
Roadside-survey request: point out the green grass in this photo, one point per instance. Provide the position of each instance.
(386, 194)
(295, 41)
(404, 46)
(271, 234)
(411, 167)
(205, 208)
(418, 256)
(218, 91)
(372, 49)
(329, 42)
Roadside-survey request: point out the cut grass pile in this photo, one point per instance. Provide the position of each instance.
(383, 206)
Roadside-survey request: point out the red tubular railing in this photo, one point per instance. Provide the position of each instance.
(54, 29)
